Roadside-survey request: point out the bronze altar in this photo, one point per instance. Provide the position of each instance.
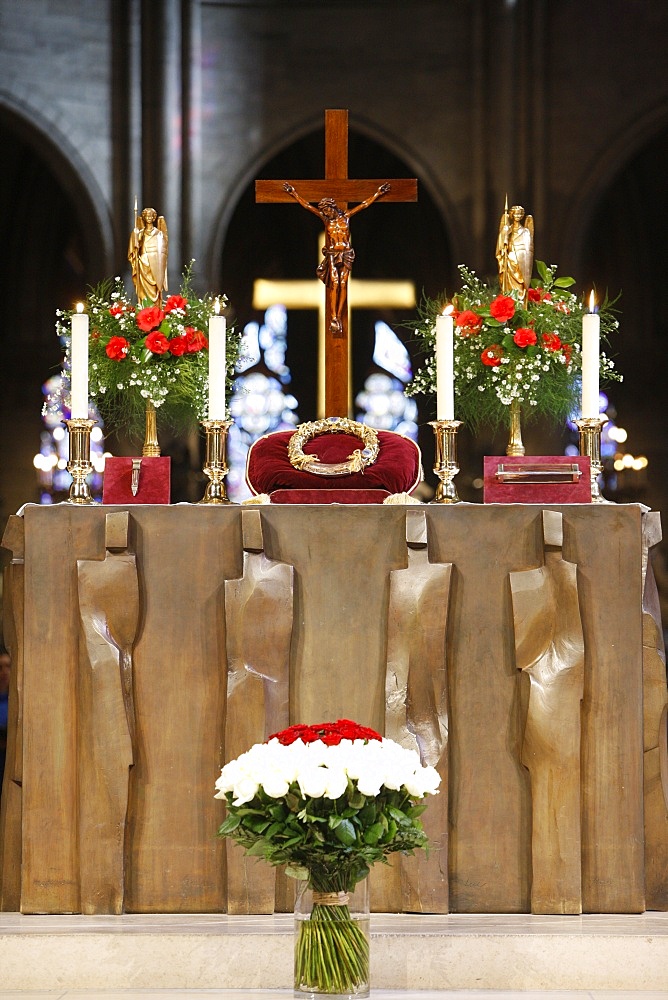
(150, 643)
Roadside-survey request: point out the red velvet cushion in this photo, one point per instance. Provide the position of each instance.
(397, 468)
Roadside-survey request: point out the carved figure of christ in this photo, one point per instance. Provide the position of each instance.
(306, 293)
(332, 195)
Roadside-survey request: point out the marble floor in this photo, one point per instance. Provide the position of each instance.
(428, 957)
(375, 994)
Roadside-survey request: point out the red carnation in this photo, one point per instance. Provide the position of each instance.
(178, 346)
(535, 294)
(469, 322)
(149, 319)
(567, 352)
(157, 343)
(117, 349)
(552, 341)
(492, 355)
(502, 308)
(175, 302)
(118, 309)
(524, 337)
(195, 340)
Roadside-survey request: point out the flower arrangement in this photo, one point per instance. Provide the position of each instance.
(328, 801)
(140, 355)
(507, 351)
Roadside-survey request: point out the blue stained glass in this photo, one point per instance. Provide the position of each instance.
(382, 403)
(259, 404)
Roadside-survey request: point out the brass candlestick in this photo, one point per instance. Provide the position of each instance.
(590, 444)
(215, 466)
(79, 464)
(445, 459)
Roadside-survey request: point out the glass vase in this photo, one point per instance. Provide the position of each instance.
(332, 942)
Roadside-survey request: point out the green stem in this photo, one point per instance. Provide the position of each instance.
(331, 952)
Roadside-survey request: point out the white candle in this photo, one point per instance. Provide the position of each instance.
(217, 366)
(79, 365)
(445, 366)
(591, 337)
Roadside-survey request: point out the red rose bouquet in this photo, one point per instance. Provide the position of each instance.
(507, 351)
(328, 801)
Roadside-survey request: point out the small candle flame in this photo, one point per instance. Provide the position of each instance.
(448, 310)
(216, 307)
(80, 307)
(592, 302)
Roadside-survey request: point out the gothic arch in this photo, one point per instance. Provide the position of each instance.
(601, 174)
(73, 174)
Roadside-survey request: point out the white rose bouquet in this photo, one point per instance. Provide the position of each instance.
(328, 801)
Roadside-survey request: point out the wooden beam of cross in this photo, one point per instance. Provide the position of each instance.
(332, 195)
(363, 293)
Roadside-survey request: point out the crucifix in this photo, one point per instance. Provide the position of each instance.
(305, 293)
(331, 196)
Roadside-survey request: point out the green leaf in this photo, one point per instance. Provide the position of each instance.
(256, 825)
(291, 842)
(508, 342)
(367, 815)
(373, 833)
(564, 282)
(345, 832)
(230, 824)
(356, 800)
(542, 269)
(297, 872)
(258, 849)
(401, 817)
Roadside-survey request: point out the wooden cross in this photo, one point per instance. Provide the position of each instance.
(342, 189)
(363, 293)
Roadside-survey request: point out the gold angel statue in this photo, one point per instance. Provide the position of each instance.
(514, 251)
(147, 254)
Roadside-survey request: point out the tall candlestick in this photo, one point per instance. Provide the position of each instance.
(591, 337)
(217, 366)
(79, 365)
(445, 366)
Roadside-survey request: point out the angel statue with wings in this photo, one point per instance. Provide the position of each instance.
(514, 251)
(147, 254)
